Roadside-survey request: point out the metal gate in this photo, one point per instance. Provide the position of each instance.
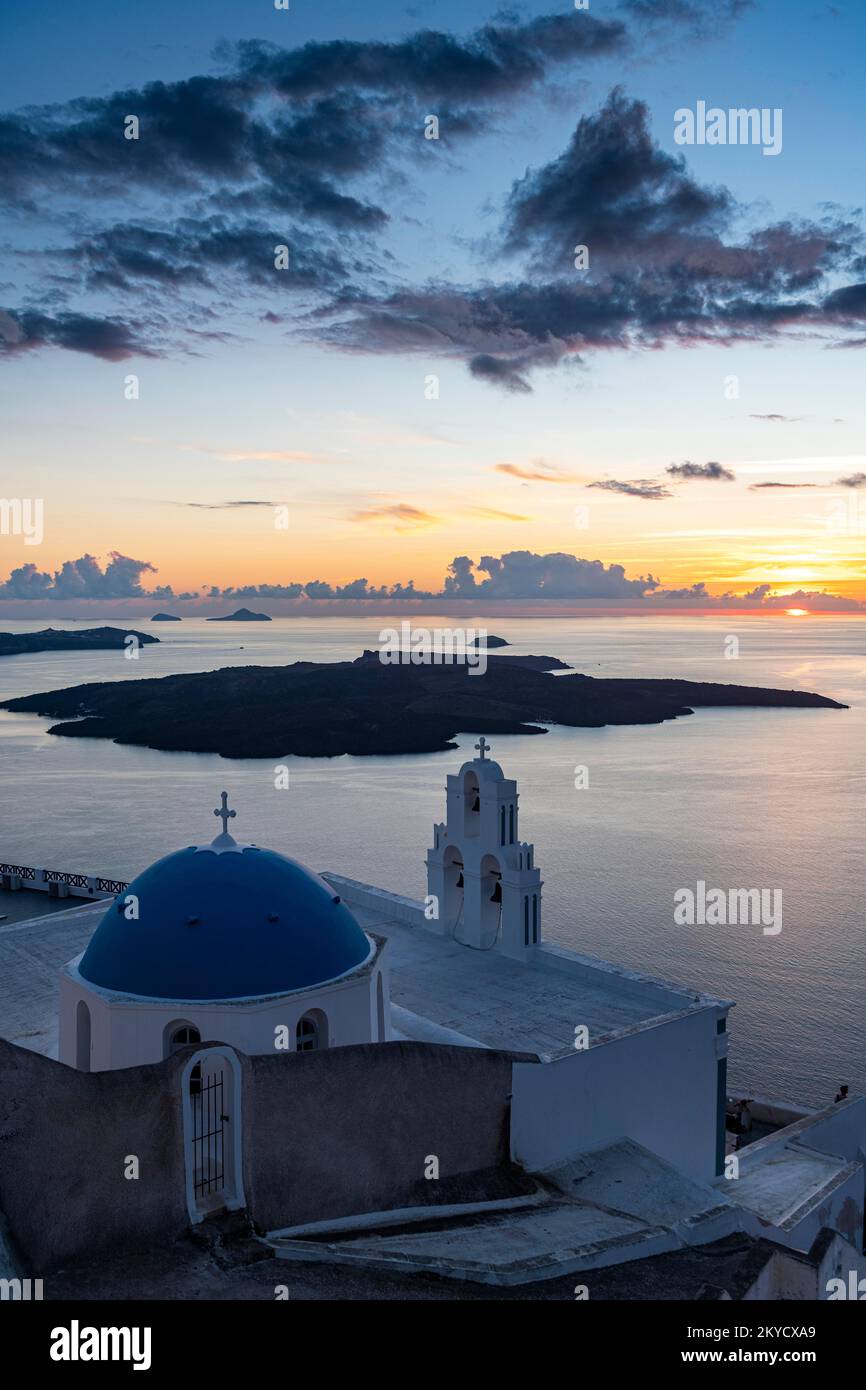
(209, 1122)
(212, 1104)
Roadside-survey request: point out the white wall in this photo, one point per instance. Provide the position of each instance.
(126, 1033)
(655, 1084)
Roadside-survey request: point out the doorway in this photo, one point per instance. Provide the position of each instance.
(212, 1115)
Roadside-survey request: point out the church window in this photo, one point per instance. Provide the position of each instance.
(511, 825)
(526, 921)
(502, 825)
(311, 1033)
(181, 1036)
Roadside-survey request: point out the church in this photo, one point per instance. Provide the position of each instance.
(320, 1053)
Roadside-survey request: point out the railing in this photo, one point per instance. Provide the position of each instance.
(79, 885)
(59, 876)
(111, 885)
(18, 871)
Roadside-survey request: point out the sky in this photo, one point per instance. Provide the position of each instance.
(428, 394)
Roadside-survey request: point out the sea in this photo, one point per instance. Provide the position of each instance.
(622, 818)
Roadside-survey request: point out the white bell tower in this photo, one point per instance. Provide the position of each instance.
(481, 877)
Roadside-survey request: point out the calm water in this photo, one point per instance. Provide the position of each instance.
(739, 798)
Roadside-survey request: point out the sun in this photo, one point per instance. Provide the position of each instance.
(797, 612)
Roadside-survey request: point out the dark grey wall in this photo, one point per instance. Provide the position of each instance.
(64, 1135)
(334, 1133)
(325, 1134)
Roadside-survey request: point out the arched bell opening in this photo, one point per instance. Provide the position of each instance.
(471, 804)
(454, 885)
(491, 899)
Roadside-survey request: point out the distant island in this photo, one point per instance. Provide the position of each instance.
(50, 639)
(242, 615)
(367, 707)
(166, 618)
(488, 643)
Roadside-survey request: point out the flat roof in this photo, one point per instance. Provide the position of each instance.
(482, 995)
(23, 904)
(509, 1004)
(32, 951)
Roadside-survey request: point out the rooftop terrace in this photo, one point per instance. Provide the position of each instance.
(502, 1003)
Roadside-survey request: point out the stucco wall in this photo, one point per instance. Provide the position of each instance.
(324, 1134)
(126, 1033)
(654, 1084)
(64, 1138)
(349, 1130)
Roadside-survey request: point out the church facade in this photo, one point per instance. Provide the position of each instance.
(301, 1045)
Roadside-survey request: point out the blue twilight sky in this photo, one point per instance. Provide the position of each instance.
(562, 399)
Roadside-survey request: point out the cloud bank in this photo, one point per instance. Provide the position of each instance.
(518, 575)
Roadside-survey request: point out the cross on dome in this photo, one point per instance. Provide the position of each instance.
(224, 813)
(483, 747)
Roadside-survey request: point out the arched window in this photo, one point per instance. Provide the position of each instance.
(311, 1034)
(502, 825)
(526, 921)
(178, 1035)
(511, 825)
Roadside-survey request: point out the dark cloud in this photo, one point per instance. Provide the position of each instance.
(509, 374)
(613, 190)
(756, 487)
(108, 338)
(285, 147)
(849, 302)
(638, 487)
(665, 268)
(199, 253)
(853, 480)
(779, 419)
(522, 574)
(497, 61)
(712, 471)
(83, 579)
(283, 124)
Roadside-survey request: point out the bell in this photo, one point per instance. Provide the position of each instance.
(476, 805)
(459, 883)
(496, 895)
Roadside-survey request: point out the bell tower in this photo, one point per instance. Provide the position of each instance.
(482, 883)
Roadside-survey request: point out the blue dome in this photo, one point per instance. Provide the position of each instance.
(224, 922)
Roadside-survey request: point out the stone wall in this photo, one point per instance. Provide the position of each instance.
(335, 1133)
(325, 1134)
(64, 1140)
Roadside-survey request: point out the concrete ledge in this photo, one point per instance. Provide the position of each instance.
(403, 1216)
(417, 1029)
(389, 905)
